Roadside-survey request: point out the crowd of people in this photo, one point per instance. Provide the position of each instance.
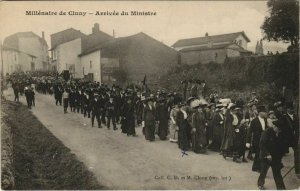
(241, 130)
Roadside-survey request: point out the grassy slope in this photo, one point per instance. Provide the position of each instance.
(41, 161)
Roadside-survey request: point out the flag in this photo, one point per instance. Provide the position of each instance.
(144, 81)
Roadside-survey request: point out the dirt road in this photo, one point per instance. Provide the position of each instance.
(121, 162)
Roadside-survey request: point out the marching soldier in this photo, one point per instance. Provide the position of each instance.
(96, 110)
(28, 96)
(110, 113)
(58, 95)
(86, 102)
(72, 100)
(65, 99)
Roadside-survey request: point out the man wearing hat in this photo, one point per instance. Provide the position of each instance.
(257, 126)
(139, 109)
(270, 156)
(110, 113)
(292, 127)
(86, 104)
(283, 125)
(96, 109)
(65, 99)
(148, 122)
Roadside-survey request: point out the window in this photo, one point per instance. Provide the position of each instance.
(91, 64)
(240, 42)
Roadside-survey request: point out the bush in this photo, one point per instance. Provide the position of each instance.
(239, 76)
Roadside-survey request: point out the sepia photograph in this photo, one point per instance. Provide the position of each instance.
(150, 95)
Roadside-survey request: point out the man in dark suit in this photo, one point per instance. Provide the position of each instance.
(110, 113)
(270, 155)
(96, 109)
(292, 126)
(257, 126)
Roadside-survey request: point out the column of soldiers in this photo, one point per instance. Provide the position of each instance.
(236, 130)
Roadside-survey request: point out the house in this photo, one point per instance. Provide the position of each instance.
(68, 44)
(136, 55)
(25, 51)
(212, 48)
(15, 60)
(65, 45)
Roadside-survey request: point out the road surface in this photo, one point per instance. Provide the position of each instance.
(121, 162)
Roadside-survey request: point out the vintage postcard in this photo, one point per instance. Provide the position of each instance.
(150, 95)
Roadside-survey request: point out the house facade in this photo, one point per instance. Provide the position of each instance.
(91, 65)
(67, 58)
(25, 51)
(68, 44)
(65, 46)
(212, 48)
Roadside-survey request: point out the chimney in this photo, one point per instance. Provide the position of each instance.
(43, 35)
(114, 35)
(96, 28)
(206, 34)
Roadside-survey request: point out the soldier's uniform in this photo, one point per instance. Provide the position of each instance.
(86, 101)
(110, 113)
(96, 110)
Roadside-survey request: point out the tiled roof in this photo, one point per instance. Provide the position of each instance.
(65, 36)
(204, 40)
(94, 39)
(121, 44)
(17, 50)
(232, 46)
(13, 42)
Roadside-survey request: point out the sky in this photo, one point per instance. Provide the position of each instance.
(174, 20)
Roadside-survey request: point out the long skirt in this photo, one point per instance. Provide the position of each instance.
(217, 138)
(149, 131)
(199, 141)
(227, 148)
(130, 123)
(183, 141)
(163, 129)
(124, 126)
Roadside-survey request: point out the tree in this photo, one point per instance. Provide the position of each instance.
(283, 22)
